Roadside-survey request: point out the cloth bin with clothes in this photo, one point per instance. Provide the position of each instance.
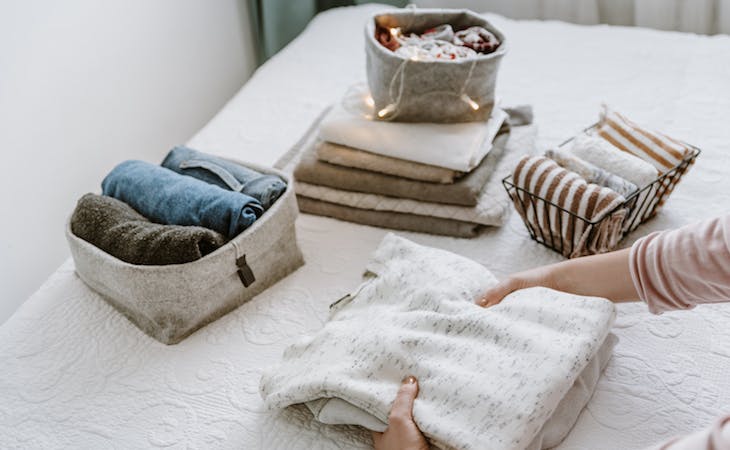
(173, 252)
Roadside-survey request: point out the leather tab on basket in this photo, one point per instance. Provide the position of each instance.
(244, 272)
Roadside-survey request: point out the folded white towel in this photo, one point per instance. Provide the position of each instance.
(488, 376)
(603, 154)
(455, 146)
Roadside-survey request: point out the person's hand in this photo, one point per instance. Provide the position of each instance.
(402, 432)
(540, 276)
(606, 275)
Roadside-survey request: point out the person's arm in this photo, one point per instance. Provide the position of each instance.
(679, 269)
(675, 269)
(605, 275)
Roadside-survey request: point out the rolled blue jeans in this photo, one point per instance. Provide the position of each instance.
(226, 174)
(169, 198)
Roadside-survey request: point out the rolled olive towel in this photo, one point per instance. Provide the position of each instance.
(116, 228)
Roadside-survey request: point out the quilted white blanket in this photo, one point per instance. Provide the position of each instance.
(75, 374)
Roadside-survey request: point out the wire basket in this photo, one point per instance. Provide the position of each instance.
(566, 232)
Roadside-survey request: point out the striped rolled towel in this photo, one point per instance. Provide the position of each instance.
(564, 211)
(662, 151)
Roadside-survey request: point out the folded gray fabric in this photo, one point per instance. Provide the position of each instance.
(116, 228)
(341, 155)
(519, 115)
(465, 191)
(169, 198)
(227, 174)
(389, 219)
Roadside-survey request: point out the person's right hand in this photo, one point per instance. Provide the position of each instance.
(539, 276)
(402, 432)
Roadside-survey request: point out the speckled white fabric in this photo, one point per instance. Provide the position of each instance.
(492, 375)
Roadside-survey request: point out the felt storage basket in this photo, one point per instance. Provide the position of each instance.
(442, 91)
(172, 301)
(640, 206)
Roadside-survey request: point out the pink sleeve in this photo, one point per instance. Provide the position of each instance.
(717, 437)
(678, 269)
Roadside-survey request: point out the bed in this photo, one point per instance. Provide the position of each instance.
(74, 373)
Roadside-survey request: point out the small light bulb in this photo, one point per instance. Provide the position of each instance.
(369, 101)
(387, 110)
(474, 105)
(394, 31)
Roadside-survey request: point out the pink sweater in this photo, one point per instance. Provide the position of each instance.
(679, 269)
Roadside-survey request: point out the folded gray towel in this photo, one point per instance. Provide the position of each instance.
(116, 228)
(465, 191)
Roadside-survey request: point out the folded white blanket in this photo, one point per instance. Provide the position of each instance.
(489, 378)
(455, 146)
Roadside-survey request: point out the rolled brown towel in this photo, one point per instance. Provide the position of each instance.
(116, 228)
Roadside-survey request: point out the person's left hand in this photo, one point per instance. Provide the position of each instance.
(402, 432)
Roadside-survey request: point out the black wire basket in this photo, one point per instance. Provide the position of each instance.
(565, 232)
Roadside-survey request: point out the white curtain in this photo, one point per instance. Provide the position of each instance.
(696, 16)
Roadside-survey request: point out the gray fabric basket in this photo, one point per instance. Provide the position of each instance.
(430, 91)
(171, 302)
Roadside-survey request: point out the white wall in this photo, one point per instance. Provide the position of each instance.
(85, 84)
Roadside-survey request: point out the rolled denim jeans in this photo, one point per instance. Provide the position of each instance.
(166, 197)
(225, 174)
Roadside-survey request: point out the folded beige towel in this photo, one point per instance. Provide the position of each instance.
(350, 157)
(389, 219)
(569, 232)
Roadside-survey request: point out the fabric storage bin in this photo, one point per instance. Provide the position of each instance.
(170, 302)
(408, 90)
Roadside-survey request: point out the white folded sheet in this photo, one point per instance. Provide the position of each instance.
(493, 375)
(455, 146)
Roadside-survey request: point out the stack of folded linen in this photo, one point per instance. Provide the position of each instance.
(175, 213)
(575, 198)
(424, 177)
(512, 376)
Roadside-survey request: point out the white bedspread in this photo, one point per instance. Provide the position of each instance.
(76, 374)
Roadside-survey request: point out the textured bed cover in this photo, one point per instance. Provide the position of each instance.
(74, 373)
